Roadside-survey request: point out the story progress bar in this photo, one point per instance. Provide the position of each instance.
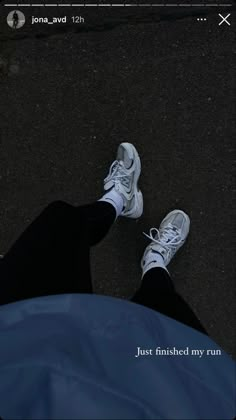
(119, 5)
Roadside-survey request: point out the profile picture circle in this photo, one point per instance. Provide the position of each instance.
(16, 19)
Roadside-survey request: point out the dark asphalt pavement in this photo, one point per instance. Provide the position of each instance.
(166, 85)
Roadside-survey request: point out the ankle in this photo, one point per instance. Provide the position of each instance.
(152, 260)
(115, 199)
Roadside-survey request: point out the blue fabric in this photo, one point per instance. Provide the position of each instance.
(73, 357)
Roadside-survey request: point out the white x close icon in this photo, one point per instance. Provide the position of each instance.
(224, 19)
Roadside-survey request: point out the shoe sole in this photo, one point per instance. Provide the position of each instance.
(138, 207)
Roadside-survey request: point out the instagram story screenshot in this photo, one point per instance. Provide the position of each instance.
(117, 203)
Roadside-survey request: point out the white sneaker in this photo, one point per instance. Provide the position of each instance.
(123, 177)
(166, 240)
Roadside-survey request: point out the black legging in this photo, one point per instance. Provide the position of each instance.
(52, 256)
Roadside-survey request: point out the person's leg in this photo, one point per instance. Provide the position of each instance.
(157, 290)
(52, 255)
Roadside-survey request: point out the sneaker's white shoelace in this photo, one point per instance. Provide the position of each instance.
(166, 237)
(118, 173)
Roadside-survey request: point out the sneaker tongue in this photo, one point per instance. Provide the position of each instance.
(169, 234)
(160, 249)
